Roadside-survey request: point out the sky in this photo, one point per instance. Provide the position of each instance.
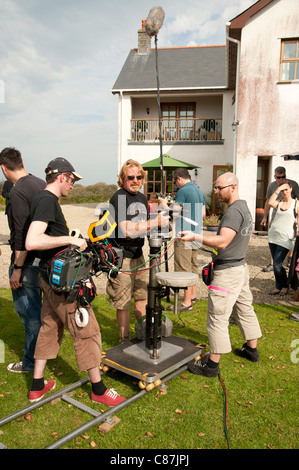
(59, 60)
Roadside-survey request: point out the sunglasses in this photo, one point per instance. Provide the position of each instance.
(280, 177)
(69, 177)
(132, 177)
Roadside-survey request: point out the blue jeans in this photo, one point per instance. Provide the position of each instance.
(278, 254)
(27, 303)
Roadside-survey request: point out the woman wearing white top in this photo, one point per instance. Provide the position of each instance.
(281, 233)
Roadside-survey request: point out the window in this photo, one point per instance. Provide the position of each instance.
(178, 120)
(153, 183)
(289, 61)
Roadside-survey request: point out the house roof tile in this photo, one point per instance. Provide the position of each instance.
(179, 67)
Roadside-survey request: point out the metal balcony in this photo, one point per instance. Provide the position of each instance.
(176, 130)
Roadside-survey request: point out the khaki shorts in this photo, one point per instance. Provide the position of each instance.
(230, 293)
(57, 314)
(185, 257)
(126, 287)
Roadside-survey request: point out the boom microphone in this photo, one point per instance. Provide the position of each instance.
(154, 21)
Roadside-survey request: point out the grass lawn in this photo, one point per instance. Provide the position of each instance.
(261, 399)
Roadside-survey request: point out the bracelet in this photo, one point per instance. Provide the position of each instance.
(15, 266)
(276, 193)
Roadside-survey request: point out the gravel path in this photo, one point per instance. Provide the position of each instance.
(80, 216)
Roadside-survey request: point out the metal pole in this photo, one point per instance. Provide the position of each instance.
(42, 402)
(113, 410)
(159, 110)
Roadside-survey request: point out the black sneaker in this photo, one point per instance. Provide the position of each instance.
(252, 356)
(200, 367)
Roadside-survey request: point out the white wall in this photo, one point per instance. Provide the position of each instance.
(268, 110)
(204, 155)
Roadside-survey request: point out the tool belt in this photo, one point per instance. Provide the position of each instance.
(208, 269)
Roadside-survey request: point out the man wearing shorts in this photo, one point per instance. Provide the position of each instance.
(131, 214)
(49, 233)
(191, 201)
(229, 291)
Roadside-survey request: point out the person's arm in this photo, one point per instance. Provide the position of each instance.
(266, 212)
(273, 201)
(15, 277)
(37, 239)
(138, 229)
(220, 241)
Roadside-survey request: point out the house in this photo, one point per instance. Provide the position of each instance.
(234, 104)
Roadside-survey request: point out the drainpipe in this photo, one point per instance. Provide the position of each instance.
(120, 135)
(235, 122)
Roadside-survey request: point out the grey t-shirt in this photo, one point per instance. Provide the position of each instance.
(238, 218)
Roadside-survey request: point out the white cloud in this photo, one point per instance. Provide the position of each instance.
(59, 61)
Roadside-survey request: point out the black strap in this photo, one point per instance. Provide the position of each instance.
(226, 261)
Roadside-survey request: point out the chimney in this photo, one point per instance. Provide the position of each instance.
(144, 40)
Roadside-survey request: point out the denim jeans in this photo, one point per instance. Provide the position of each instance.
(278, 254)
(27, 303)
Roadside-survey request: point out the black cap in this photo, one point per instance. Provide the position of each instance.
(61, 165)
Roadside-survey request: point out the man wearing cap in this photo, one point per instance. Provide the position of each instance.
(49, 233)
(23, 270)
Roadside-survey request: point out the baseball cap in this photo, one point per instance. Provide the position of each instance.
(61, 165)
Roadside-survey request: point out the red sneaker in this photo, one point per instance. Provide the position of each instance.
(35, 396)
(110, 398)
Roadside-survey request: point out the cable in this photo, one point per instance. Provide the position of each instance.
(225, 409)
(147, 269)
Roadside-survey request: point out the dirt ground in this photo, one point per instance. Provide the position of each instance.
(80, 216)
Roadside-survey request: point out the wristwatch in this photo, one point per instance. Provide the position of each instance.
(15, 266)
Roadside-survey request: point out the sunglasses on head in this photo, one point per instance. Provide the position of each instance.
(132, 177)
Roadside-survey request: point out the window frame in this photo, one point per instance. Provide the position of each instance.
(287, 60)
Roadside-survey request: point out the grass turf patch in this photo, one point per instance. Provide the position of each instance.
(261, 399)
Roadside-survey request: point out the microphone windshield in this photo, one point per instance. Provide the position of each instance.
(154, 21)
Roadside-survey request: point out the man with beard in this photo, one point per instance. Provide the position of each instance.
(229, 291)
(131, 213)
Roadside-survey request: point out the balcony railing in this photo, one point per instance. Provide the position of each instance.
(177, 130)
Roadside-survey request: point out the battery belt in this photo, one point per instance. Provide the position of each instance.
(217, 262)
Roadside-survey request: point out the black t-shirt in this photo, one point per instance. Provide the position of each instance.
(46, 208)
(21, 197)
(133, 207)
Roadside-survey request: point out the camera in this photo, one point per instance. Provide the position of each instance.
(71, 266)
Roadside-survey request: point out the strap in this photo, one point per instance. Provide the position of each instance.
(226, 261)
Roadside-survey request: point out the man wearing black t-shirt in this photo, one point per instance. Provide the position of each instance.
(23, 270)
(131, 214)
(229, 291)
(49, 233)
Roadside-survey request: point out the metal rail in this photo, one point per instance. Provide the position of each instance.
(98, 417)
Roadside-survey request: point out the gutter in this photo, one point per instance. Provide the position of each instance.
(136, 90)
